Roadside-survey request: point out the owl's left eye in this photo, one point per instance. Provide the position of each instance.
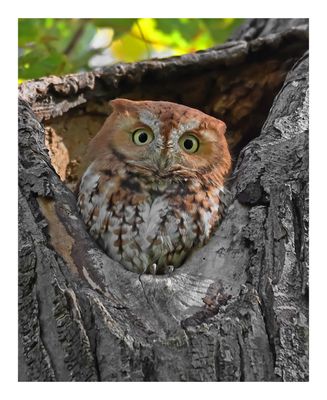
(189, 143)
(142, 137)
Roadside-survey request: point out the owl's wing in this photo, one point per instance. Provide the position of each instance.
(225, 197)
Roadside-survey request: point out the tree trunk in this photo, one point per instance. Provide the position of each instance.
(237, 310)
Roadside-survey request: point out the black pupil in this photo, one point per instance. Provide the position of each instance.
(143, 137)
(188, 144)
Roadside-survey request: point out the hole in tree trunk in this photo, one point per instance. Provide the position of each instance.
(239, 96)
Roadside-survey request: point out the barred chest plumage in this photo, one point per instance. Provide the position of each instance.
(145, 223)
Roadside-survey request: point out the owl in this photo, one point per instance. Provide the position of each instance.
(151, 193)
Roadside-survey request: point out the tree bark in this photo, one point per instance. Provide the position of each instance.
(237, 310)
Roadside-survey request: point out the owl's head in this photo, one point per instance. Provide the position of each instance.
(164, 139)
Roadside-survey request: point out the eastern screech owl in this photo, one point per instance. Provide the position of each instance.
(152, 191)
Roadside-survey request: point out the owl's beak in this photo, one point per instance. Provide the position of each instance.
(162, 162)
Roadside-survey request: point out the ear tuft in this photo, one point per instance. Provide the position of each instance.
(222, 127)
(120, 104)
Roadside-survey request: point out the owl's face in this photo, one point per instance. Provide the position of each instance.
(164, 139)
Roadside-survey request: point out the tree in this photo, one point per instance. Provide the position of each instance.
(238, 308)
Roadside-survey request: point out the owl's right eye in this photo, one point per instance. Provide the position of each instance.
(142, 137)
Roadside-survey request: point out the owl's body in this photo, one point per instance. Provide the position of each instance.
(152, 191)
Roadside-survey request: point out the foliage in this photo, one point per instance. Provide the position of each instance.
(58, 46)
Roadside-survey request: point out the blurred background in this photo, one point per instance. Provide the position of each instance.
(51, 46)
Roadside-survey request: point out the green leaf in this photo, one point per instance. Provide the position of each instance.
(128, 48)
(38, 63)
(28, 31)
(221, 29)
(119, 25)
(56, 46)
(115, 23)
(188, 27)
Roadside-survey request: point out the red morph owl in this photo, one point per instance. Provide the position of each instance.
(151, 194)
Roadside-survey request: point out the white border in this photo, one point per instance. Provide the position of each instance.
(8, 98)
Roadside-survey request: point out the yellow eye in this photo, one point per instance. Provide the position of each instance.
(189, 143)
(142, 136)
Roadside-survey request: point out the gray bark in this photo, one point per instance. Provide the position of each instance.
(237, 310)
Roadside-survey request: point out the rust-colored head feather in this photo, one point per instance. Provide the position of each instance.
(167, 122)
